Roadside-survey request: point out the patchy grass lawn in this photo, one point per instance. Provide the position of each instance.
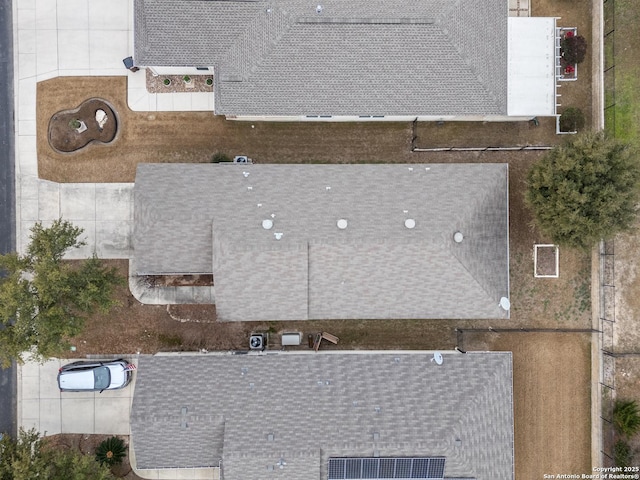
(196, 136)
(622, 79)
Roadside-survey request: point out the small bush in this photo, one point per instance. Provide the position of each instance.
(74, 123)
(166, 81)
(572, 120)
(111, 451)
(626, 417)
(186, 78)
(209, 81)
(573, 48)
(622, 455)
(220, 157)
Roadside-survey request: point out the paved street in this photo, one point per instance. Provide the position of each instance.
(7, 192)
(7, 173)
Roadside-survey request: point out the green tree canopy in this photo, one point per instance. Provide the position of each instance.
(29, 457)
(585, 190)
(43, 299)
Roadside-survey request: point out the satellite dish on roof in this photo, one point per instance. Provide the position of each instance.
(505, 304)
(437, 357)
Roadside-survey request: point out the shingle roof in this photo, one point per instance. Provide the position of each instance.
(207, 218)
(322, 405)
(362, 57)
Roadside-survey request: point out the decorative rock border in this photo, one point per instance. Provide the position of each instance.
(198, 83)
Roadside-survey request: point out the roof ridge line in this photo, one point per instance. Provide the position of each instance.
(462, 264)
(367, 20)
(246, 67)
(481, 81)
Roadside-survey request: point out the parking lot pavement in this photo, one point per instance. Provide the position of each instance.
(42, 406)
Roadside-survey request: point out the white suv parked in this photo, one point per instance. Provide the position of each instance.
(95, 375)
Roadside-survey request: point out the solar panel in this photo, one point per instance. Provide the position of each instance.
(386, 468)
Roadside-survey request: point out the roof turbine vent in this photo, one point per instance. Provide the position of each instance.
(458, 237)
(319, 9)
(342, 224)
(267, 224)
(410, 223)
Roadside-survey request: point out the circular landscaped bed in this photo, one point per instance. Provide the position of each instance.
(93, 121)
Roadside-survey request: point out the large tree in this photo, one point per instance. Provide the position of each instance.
(585, 190)
(29, 457)
(44, 299)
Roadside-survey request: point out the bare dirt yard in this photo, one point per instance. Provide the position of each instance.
(551, 384)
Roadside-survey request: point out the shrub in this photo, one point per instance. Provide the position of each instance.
(572, 120)
(111, 451)
(622, 455)
(626, 417)
(585, 190)
(209, 81)
(186, 78)
(74, 123)
(220, 157)
(166, 81)
(573, 48)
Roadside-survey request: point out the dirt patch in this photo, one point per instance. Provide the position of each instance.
(179, 280)
(626, 308)
(545, 260)
(132, 327)
(551, 384)
(196, 136)
(93, 121)
(486, 134)
(87, 445)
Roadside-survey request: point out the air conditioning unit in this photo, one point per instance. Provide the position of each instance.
(257, 341)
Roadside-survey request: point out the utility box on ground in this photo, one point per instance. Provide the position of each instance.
(291, 339)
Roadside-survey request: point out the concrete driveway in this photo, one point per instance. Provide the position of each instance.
(42, 406)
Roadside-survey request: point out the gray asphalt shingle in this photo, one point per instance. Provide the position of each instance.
(316, 406)
(281, 57)
(207, 218)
